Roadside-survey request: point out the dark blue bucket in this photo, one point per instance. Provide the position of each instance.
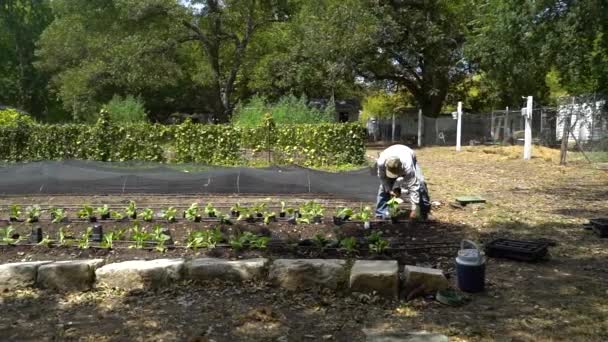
(470, 268)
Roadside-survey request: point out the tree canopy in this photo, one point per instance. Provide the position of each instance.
(69, 58)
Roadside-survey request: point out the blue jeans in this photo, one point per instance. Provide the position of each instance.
(383, 197)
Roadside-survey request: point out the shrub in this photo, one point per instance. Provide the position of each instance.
(11, 117)
(288, 110)
(126, 110)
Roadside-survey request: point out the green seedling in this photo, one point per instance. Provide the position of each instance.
(191, 214)
(236, 209)
(244, 215)
(204, 239)
(282, 207)
(259, 209)
(345, 213)
(170, 214)
(119, 234)
(116, 215)
(320, 241)
(364, 214)
(84, 242)
(374, 237)
(46, 241)
(224, 219)
(131, 210)
(58, 215)
(147, 215)
(86, 212)
(269, 217)
(6, 234)
(104, 212)
(15, 212)
(139, 237)
(393, 207)
(349, 245)
(65, 236)
(160, 237)
(240, 241)
(210, 210)
(259, 242)
(33, 213)
(108, 240)
(379, 246)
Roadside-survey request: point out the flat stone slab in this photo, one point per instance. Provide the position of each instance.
(75, 275)
(140, 274)
(298, 274)
(19, 274)
(228, 270)
(381, 276)
(404, 337)
(423, 280)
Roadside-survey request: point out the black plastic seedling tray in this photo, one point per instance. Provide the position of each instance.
(517, 249)
(600, 226)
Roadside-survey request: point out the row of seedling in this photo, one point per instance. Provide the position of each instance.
(139, 237)
(309, 212)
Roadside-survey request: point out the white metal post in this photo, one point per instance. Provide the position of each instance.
(393, 135)
(419, 127)
(459, 126)
(528, 132)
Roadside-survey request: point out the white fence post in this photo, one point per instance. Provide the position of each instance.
(528, 132)
(459, 126)
(419, 127)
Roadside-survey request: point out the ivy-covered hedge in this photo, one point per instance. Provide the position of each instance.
(310, 145)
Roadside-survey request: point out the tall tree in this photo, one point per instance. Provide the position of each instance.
(21, 85)
(418, 45)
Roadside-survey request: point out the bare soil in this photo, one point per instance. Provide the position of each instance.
(564, 298)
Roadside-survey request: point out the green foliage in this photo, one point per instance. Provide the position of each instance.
(269, 217)
(287, 110)
(248, 239)
(383, 105)
(15, 211)
(6, 234)
(33, 213)
(192, 212)
(320, 241)
(309, 211)
(393, 207)
(210, 210)
(126, 110)
(364, 214)
(46, 241)
(204, 239)
(86, 212)
(58, 215)
(169, 214)
(158, 234)
(344, 213)
(116, 215)
(12, 118)
(147, 215)
(84, 242)
(108, 240)
(349, 244)
(131, 209)
(379, 246)
(65, 236)
(103, 210)
(139, 235)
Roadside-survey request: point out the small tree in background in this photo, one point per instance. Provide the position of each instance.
(129, 109)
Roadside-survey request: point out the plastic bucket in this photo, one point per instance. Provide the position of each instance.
(470, 268)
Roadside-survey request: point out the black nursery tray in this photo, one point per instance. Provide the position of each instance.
(517, 249)
(600, 226)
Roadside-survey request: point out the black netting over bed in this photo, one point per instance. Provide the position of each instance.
(89, 177)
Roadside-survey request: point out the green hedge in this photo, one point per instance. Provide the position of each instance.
(309, 145)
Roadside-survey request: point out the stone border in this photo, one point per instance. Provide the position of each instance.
(363, 276)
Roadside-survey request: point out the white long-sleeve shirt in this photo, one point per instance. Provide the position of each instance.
(410, 175)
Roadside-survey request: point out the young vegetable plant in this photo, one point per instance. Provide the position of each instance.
(7, 235)
(104, 212)
(224, 219)
(58, 215)
(108, 240)
(240, 241)
(245, 215)
(282, 213)
(116, 215)
(204, 239)
(235, 210)
(320, 241)
(393, 209)
(365, 215)
(84, 242)
(311, 212)
(379, 246)
(349, 245)
(259, 242)
(46, 241)
(269, 217)
(65, 236)
(87, 213)
(15, 213)
(170, 214)
(139, 236)
(191, 214)
(33, 213)
(147, 215)
(210, 210)
(259, 209)
(344, 213)
(131, 210)
(158, 234)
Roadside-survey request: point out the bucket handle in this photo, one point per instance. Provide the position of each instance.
(479, 257)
